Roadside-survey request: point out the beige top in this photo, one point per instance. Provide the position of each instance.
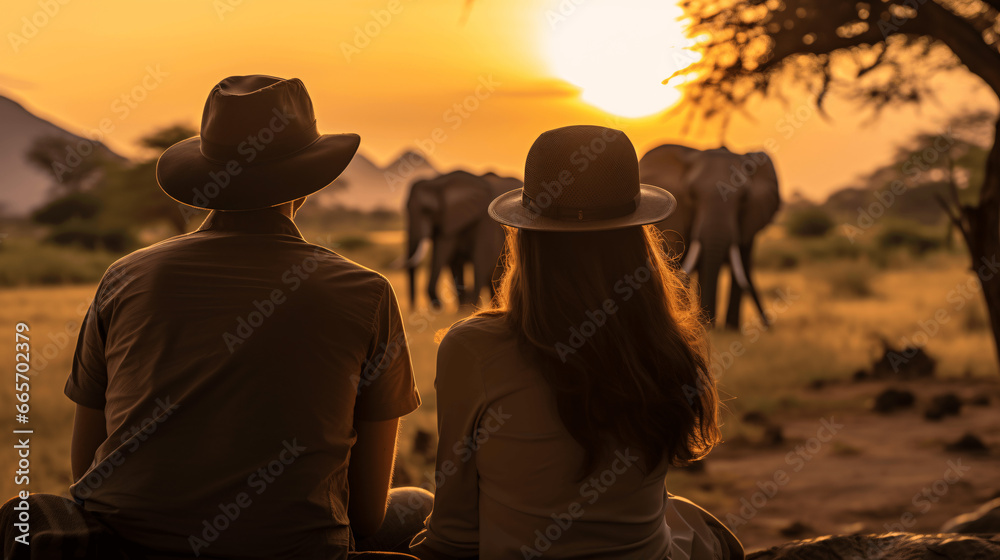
(507, 469)
(231, 364)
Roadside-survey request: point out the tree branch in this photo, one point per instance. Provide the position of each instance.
(962, 38)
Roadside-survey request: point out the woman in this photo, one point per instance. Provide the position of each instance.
(560, 411)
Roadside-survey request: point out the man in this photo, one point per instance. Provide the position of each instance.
(238, 389)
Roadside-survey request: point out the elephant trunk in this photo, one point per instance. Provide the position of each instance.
(711, 257)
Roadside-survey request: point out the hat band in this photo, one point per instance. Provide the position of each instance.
(579, 214)
(267, 145)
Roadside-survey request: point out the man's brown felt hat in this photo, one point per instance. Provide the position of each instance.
(259, 147)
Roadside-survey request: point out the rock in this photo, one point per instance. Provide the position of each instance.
(985, 520)
(889, 546)
(968, 443)
(697, 467)
(892, 400)
(979, 400)
(947, 404)
(908, 363)
(795, 530)
(422, 442)
(773, 435)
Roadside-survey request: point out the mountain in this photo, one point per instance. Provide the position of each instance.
(366, 186)
(23, 186)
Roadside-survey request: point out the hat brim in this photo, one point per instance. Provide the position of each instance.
(655, 204)
(188, 177)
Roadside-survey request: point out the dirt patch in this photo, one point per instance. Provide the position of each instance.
(855, 471)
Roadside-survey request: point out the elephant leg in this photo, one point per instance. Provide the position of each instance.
(733, 314)
(458, 274)
(486, 260)
(735, 299)
(443, 249)
(412, 274)
(483, 279)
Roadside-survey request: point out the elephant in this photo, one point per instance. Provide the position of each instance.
(447, 216)
(723, 200)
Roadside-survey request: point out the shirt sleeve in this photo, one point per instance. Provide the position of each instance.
(386, 388)
(453, 526)
(88, 378)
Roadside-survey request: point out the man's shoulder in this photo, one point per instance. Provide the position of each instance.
(336, 263)
(141, 257)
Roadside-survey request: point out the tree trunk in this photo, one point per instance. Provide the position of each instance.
(981, 230)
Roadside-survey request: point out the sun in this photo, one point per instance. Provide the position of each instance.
(618, 52)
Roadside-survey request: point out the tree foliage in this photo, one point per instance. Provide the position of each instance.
(877, 52)
(132, 192)
(71, 162)
(101, 202)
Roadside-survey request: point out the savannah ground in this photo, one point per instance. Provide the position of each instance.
(839, 468)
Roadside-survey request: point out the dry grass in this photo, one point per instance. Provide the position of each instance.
(818, 332)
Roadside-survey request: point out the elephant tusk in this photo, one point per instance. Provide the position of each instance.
(694, 251)
(738, 271)
(740, 274)
(419, 254)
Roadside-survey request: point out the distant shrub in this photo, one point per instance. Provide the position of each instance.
(91, 237)
(850, 280)
(909, 237)
(833, 247)
(778, 259)
(117, 240)
(25, 262)
(974, 317)
(74, 206)
(809, 222)
(353, 242)
(84, 237)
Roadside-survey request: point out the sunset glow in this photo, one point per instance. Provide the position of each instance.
(619, 52)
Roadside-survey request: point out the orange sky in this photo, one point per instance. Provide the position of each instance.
(399, 86)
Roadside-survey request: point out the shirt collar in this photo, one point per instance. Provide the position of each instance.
(266, 221)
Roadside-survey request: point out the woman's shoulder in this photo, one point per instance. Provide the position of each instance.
(479, 334)
(478, 328)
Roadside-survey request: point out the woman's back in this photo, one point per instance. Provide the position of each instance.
(560, 409)
(508, 444)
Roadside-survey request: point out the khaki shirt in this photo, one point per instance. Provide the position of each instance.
(507, 469)
(231, 364)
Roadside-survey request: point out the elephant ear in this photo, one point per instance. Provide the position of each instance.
(668, 167)
(499, 185)
(464, 200)
(762, 199)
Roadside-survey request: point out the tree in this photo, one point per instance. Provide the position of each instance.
(809, 222)
(133, 191)
(71, 162)
(876, 53)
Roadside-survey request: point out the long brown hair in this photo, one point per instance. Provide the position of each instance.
(620, 338)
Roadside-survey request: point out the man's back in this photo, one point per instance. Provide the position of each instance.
(231, 364)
